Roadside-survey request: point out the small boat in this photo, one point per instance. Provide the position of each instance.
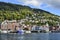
(4, 31)
(20, 31)
(27, 31)
(58, 31)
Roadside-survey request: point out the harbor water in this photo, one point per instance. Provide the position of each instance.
(31, 36)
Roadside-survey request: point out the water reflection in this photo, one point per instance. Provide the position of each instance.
(54, 36)
(33, 36)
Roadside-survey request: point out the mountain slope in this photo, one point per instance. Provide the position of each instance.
(33, 16)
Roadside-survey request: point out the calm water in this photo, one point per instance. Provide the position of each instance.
(33, 36)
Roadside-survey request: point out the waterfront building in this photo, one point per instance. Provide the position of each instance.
(10, 25)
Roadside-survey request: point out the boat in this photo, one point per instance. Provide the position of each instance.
(27, 31)
(20, 31)
(57, 31)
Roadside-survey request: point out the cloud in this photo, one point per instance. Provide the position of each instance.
(32, 2)
(50, 3)
(53, 3)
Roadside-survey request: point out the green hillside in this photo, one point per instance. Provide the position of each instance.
(34, 16)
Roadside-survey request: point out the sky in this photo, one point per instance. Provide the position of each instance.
(52, 6)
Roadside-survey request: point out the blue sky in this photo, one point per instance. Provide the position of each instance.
(52, 6)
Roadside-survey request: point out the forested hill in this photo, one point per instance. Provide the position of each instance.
(10, 11)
